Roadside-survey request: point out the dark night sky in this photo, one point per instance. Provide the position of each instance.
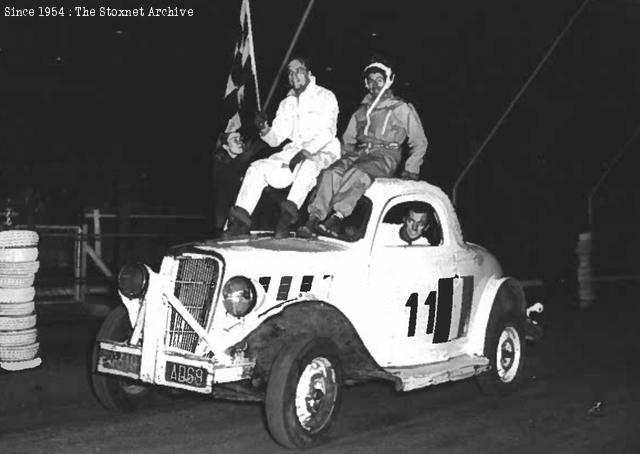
(89, 104)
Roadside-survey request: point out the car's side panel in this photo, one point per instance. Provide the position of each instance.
(421, 298)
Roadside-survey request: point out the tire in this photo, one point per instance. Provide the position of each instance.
(12, 353)
(17, 280)
(17, 322)
(19, 267)
(17, 295)
(22, 238)
(19, 254)
(505, 347)
(291, 419)
(117, 393)
(20, 337)
(26, 308)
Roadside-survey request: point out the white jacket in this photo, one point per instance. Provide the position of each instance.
(310, 122)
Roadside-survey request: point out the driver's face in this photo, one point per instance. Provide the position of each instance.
(415, 223)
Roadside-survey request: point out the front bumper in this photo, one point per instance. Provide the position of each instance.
(172, 369)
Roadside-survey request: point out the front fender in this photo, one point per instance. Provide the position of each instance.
(314, 318)
(500, 295)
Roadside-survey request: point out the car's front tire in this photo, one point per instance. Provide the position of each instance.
(303, 392)
(505, 347)
(117, 393)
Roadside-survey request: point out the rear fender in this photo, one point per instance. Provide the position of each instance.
(500, 295)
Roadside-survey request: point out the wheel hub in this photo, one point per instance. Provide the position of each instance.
(508, 354)
(316, 394)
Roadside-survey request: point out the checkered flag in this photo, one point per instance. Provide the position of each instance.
(238, 96)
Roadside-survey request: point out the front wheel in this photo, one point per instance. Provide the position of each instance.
(303, 392)
(505, 349)
(117, 393)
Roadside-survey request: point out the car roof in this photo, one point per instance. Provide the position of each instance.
(383, 189)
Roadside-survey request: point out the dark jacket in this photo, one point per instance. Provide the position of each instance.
(228, 173)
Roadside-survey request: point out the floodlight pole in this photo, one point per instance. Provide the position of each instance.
(288, 54)
(515, 100)
(610, 167)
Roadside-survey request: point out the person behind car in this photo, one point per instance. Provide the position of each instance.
(308, 118)
(371, 148)
(230, 161)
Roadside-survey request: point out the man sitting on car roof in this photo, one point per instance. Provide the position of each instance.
(371, 148)
(307, 117)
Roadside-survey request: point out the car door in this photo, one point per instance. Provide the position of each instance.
(423, 302)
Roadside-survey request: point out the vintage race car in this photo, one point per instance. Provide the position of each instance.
(291, 321)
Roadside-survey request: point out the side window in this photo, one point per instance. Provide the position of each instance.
(410, 223)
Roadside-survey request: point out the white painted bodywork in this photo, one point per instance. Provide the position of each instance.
(370, 281)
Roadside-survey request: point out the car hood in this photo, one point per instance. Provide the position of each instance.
(263, 256)
(262, 244)
(254, 245)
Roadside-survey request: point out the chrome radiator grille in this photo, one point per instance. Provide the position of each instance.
(195, 288)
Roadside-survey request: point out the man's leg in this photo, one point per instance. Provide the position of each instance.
(305, 176)
(356, 181)
(252, 186)
(329, 183)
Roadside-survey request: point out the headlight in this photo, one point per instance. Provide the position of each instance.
(239, 296)
(133, 280)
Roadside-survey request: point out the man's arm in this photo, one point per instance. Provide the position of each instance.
(417, 142)
(281, 128)
(349, 138)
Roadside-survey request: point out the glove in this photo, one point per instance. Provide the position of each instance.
(260, 120)
(299, 157)
(409, 175)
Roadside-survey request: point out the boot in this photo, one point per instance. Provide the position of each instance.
(310, 229)
(288, 216)
(239, 223)
(332, 226)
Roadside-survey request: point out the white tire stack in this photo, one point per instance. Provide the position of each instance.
(18, 333)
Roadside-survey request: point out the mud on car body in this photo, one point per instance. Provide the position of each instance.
(289, 322)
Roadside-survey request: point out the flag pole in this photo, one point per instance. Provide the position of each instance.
(288, 54)
(252, 55)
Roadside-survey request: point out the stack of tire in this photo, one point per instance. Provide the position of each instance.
(18, 332)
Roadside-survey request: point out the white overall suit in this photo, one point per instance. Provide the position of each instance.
(309, 121)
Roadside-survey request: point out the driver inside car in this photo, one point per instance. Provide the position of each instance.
(414, 226)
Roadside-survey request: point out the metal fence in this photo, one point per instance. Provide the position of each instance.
(78, 260)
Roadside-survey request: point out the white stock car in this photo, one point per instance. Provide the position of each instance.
(290, 321)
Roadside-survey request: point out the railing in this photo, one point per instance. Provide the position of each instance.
(79, 260)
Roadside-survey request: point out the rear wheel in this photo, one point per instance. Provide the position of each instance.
(303, 392)
(117, 393)
(505, 349)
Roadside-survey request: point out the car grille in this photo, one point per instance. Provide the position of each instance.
(195, 288)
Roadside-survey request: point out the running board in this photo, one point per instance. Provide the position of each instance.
(456, 368)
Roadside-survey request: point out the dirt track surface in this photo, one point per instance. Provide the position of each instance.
(586, 357)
